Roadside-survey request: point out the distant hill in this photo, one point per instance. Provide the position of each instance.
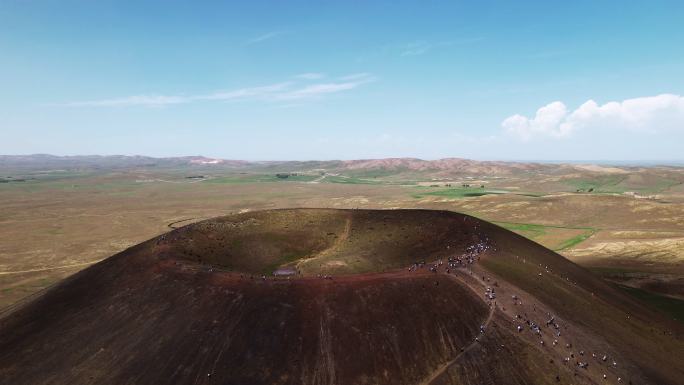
(439, 167)
(45, 161)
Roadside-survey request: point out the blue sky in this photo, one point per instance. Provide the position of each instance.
(263, 80)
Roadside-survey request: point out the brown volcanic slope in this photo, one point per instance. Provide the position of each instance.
(191, 307)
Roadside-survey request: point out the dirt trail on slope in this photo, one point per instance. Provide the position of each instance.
(343, 237)
(472, 345)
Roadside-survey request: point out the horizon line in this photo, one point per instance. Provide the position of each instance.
(623, 162)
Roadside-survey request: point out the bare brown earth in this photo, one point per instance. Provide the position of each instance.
(70, 212)
(191, 306)
(218, 328)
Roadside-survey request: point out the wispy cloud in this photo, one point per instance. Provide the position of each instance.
(264, 37)
(548, 54)
(317, 90)
(310, 76)
(283, 91)
(261, 92)
(415, 49)
(345, 83)
(422, 47)
(135, 100)
(357, 76)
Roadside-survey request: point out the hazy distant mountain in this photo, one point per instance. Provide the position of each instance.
(45, 161)
(439, 168)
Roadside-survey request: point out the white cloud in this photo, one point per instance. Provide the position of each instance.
(274, 92)
(547, 121)
(651, 113)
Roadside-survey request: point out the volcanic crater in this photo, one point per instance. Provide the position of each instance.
(323, 296)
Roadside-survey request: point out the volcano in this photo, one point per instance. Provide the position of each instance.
(322, 296)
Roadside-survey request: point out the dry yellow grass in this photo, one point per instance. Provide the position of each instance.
(51, 229)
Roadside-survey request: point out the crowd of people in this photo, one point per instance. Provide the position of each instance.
(552, 326)
(549, 324)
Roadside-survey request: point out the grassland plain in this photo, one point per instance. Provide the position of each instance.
(556, 238)
(672, 306)
(57, 222)
(465, 192)
(622, 183)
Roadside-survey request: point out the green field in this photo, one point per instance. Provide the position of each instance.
(605, 184)
(529, 230)
(349, 180)
(460, 192)
(535, 232)
(256, 178)
(618, 184)
(575, 240)
(467, 192)
(671, 306)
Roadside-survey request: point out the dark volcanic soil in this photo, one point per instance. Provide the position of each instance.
(183, 326)
(192, 307)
